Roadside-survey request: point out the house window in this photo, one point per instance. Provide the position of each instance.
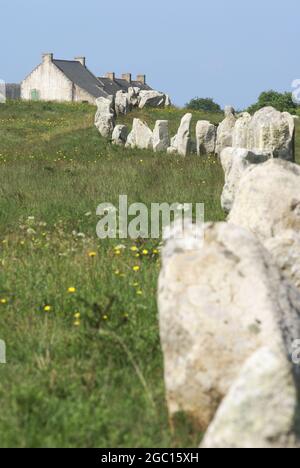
(35, 95)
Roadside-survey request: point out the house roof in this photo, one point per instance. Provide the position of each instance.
(124, 84)
(110, 86)
(81, 76)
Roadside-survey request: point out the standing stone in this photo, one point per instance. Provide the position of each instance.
(122, 103)
(120, 134)
(273, 131)
(161, 137)
(105, 116)
(234, 162)
(151, 99)
(134, 96)
(267, 201)
(173, 148)
(183, 135)
(240, 131)
(168, 102)
(218, 305)
(206, 134)
(260, 409)
(225, 130)
(141, 136)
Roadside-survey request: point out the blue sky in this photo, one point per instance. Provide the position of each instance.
(230, 50)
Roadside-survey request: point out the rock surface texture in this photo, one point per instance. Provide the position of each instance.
(267, 201)
(140, 136)
(105, 116)
(206, 134)
(219, 306)
(161, 136)
(120, 134)
(234, 162)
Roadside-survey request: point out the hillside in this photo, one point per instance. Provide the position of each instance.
(85, 366)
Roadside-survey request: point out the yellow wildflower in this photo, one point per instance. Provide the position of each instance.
(136, 268)
(134, 248)
(71, 290)
(3, 301)
(77, 323)
(145, 252)
(92, 254)
(77, 316)
(47, 308)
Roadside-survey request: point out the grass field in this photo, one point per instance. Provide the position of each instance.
(84, 365)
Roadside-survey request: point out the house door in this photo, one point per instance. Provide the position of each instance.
(35, 95)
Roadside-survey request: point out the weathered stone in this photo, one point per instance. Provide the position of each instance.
(120, 134)
(217, 306)
(141, 136)
(173, 148)
(184, 136)
(168, 102)
(122, 105)
(206, 134)
(267, 200)
(285, 249)
(259, 410)
(134, 96)
(105, 116)
(225, 130)
(234, 162)
(240, 131)
(161, 137)
(273, 131)
(151, 99)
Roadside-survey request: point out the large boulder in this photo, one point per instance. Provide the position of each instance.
(273, 131)
(122, 105)
(161, 136)
(234, 162)
(225, 130)
(260, 409)
(105, 116)
(218, 305)
(140, 136)
(151, 99)
(267, 200)
(183, 139)
(206, 134)
(120, 134)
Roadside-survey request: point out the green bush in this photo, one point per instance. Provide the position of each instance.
(283, 102)
(203, 104)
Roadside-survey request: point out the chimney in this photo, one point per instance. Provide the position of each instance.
(141, 79)
(126, 77)
(110, 75)
(47, 58)
(80, 60)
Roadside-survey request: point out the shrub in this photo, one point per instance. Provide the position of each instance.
(203, 104)
(283, 102)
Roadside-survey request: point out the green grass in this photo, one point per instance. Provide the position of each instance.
(99, 384)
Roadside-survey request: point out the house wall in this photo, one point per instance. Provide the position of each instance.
(50, 83)
(79, 95)
(13, 91)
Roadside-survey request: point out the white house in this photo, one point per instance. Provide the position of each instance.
(71, 80)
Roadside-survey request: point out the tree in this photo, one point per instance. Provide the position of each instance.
(283, 102)
(204, 104)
